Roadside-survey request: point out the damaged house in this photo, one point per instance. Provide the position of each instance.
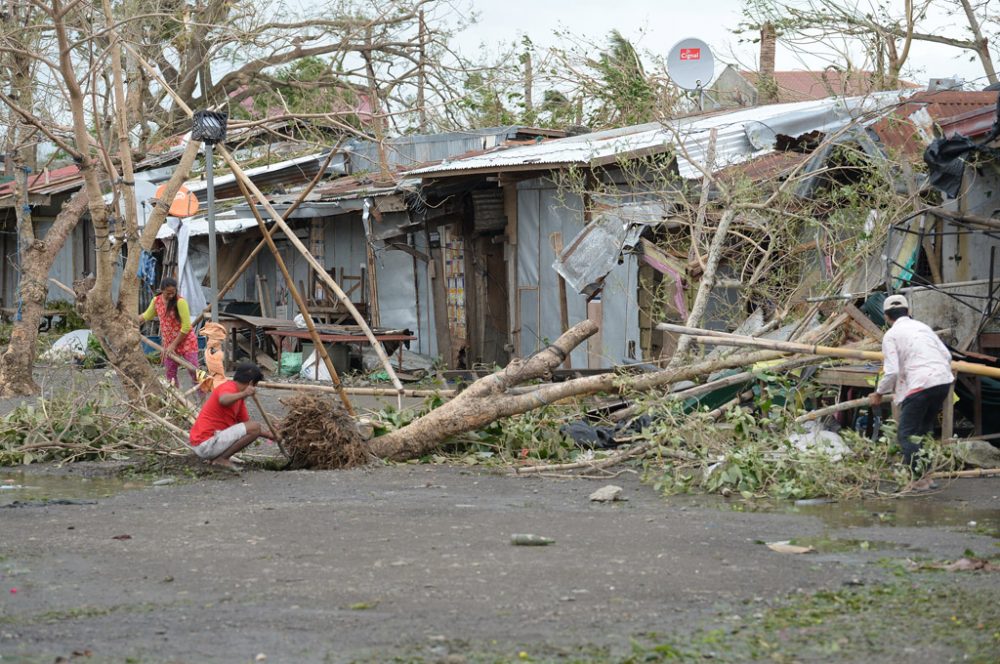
(569, 253)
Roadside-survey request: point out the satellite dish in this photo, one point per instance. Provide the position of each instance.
(691, 64)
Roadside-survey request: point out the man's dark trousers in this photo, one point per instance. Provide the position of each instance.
(917, 416)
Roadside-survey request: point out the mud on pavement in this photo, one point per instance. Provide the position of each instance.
(414, 563)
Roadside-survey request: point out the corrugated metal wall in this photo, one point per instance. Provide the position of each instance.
(405, 298)
(541, 211)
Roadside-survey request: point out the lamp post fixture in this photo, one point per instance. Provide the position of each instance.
(210, 128)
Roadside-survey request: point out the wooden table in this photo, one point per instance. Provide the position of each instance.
(236, 322)
(335, 336)
(850, 375)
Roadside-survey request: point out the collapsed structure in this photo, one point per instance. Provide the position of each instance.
(488, 245)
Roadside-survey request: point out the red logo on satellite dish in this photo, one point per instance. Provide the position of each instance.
(690, 54)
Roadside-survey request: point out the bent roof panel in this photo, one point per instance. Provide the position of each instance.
(688, 136)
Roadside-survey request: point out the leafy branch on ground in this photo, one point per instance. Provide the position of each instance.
(83, 422)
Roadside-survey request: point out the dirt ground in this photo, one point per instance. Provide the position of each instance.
(414, 563)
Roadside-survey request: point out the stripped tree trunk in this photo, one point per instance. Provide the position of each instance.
(488, 400)
(36, 259)
(706, 284)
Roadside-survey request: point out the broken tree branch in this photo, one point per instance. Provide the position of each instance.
(487, 399)
(358, 391)
(706, 284)
(830, 410)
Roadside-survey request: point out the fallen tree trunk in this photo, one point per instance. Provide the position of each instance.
(487, 400)
(705, 285)
(835, 408)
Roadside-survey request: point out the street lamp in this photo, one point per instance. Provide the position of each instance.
(210, 128)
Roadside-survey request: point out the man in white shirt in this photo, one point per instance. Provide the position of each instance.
(917, 370)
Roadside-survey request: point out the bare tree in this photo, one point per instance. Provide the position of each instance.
(36, 253)
(885, 31)
(106, 102)
(242, 55)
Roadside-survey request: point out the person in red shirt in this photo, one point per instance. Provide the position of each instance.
(223, 427)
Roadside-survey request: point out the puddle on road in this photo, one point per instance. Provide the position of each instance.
(903, 513)
(868, 513)
(837, 545)
(30, 488)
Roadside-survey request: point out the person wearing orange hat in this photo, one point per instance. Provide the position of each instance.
(916, 369)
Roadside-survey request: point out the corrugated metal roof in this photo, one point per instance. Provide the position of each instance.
(763, 168)
(48, 182)
(908, 130)
(972, 124)
(225, 223)
(415, 150)
(741, 135)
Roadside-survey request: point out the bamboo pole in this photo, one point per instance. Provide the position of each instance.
(358, 391)
(835, 408)
(300, 301)
(811, 349)
(324, 277)
(269, 233)
(978, 472)
(695, 391)
(717, 413)
(174, 356)
(270, 425)
(320, 270)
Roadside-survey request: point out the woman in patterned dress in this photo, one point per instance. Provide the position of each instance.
(175, 328)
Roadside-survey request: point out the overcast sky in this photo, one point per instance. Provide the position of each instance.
(656, 25)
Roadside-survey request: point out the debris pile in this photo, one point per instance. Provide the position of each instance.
(318, 433)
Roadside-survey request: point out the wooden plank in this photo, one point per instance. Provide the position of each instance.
(852, 377)
(556, 240)
(260, 296)
(862, 321)
(439, 299)
(262, 358)
(948, 416)
(595, 343)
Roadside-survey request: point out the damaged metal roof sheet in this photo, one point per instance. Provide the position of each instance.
(297, 169)
(415, 150)
(740, 136)
(226, 223)
(595, 250)
(909, 128)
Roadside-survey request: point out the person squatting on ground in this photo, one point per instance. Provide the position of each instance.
(917, 370)
(223, 427)
(175, 329)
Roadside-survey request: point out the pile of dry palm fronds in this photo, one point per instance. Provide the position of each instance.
(318, 433)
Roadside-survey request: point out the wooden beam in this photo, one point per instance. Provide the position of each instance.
(861, 320)
(298, 296)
